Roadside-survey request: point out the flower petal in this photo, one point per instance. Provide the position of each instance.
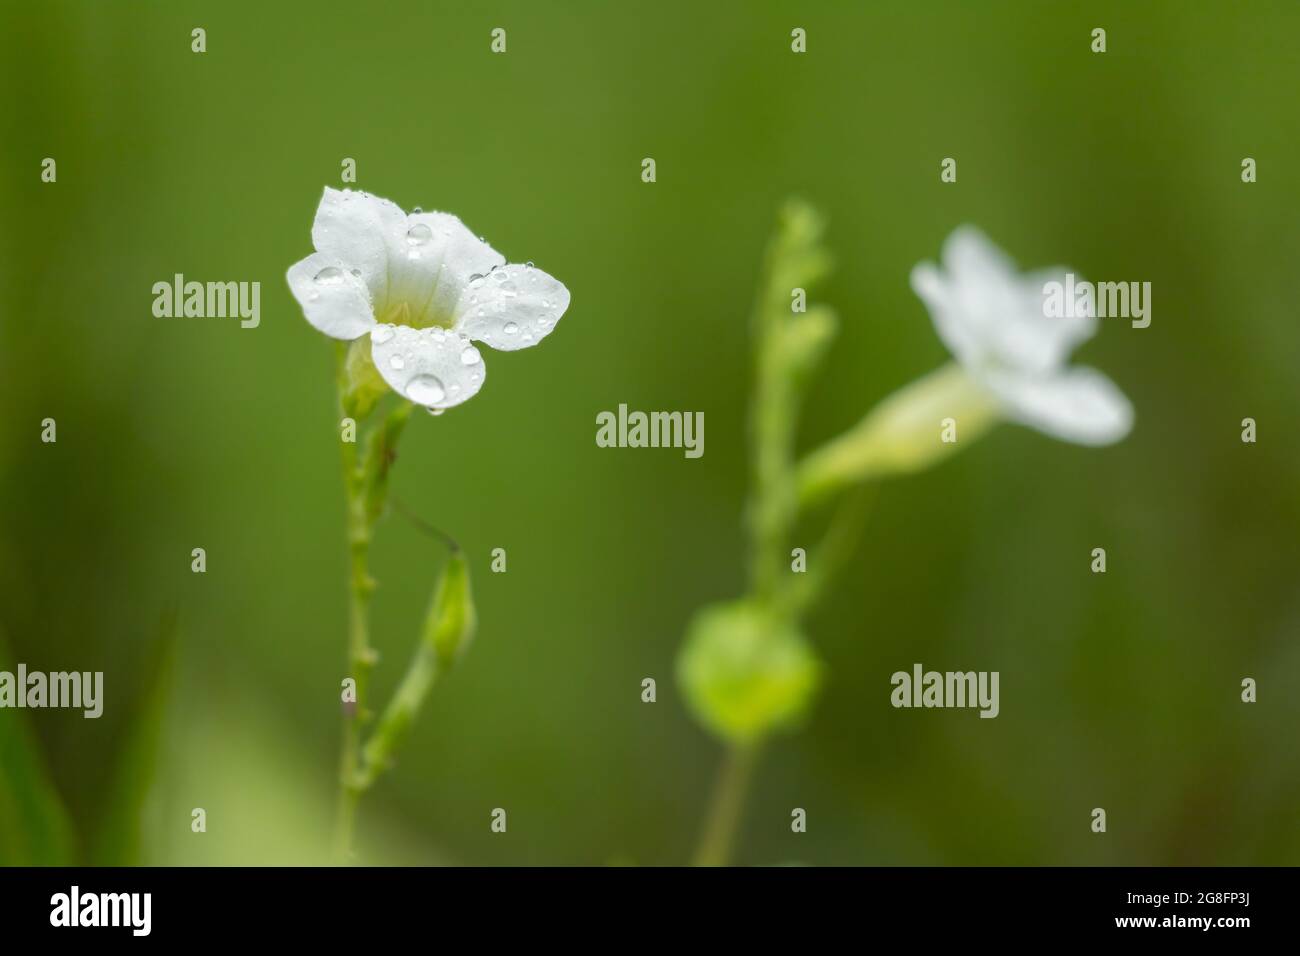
(359, 229)
(333, 299)
(431, 261)
(958, 334)
(512, 307)
(970, 256)
(990, 315)
(1079, 405)
(1062, 333)
(434, 367)
(415, 266)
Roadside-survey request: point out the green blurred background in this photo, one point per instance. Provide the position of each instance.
(1119, 691)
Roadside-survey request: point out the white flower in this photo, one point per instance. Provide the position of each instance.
(424, 288)
(992, 319)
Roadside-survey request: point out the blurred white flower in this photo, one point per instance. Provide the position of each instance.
(424, 288)
(991, 317)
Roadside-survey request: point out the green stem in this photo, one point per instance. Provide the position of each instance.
(398, 715)
(365, 483)
(788, 342)
(774, 504)
(727, 806)
(361, 657)
(836, 547)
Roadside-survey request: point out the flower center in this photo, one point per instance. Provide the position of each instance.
(402, 312)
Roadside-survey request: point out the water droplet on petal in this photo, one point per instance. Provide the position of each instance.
(470, 356)
(435, 412)
(330, 275)
(381, 334)
(418, 234)
(510, 328)
(425, 390)
(356, 273)
(417, 209)
(397, 362)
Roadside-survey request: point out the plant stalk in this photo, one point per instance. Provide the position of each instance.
(728, 805)
(360, 655)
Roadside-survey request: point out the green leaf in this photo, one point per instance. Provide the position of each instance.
(34, 825)
(745, 672)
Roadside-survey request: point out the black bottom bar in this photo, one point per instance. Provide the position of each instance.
(366, 906)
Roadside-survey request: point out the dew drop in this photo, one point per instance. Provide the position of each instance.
(356, 273)
(425, 390)
(419, 234)
(381, 334)
(417, 209)
(329, 276)
(510, 328)
(397, 362)
(470, 356)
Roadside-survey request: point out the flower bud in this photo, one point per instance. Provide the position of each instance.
(744, 671)
(452, 619)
